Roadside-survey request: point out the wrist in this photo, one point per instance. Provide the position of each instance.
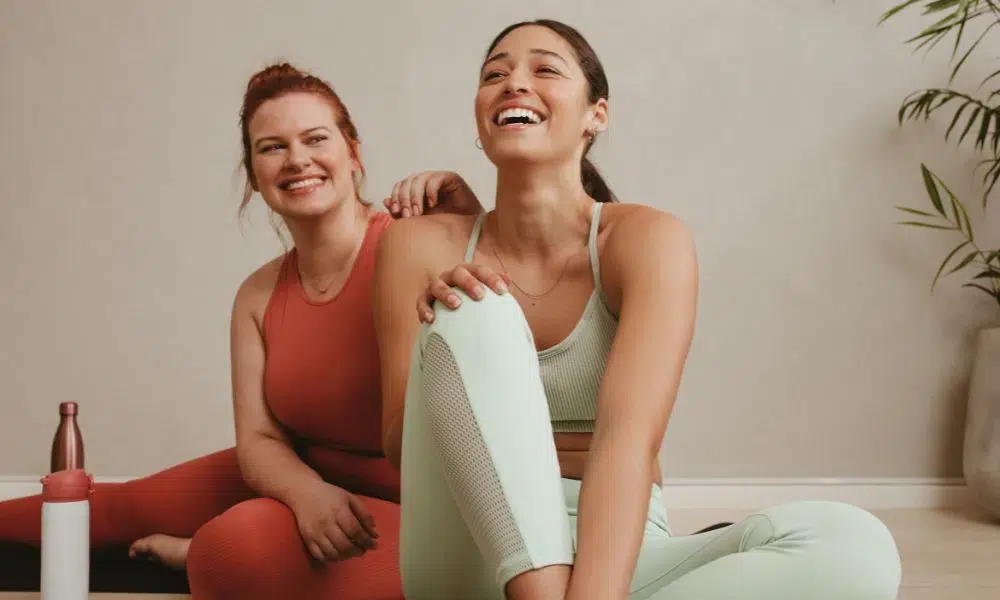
(302, 491)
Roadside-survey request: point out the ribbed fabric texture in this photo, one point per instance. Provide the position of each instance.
(254, 551)
(475, 483)
(571, 370)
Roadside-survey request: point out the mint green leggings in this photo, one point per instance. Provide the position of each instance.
(483, 499)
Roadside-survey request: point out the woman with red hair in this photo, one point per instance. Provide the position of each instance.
(306, 504)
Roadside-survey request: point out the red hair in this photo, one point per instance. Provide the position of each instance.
(277, 80)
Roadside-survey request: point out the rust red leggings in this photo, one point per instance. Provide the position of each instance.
(243, 546)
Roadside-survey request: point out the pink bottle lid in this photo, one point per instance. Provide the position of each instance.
(73, 485)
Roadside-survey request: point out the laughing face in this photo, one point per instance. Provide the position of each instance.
(532, 103)
(302, 165)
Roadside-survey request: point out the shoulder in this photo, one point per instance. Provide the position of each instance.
(425, 239)
(254, 293)
(627, 226)
(642, 242)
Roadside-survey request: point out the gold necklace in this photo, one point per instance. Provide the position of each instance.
(321, 290)
(534, 297)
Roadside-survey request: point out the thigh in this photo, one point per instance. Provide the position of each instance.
(482, 494)
(817, 550)
(254, 550)
(664, 558)
(175, 501)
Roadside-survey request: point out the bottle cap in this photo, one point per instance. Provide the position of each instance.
(67, 408)
(74, 485)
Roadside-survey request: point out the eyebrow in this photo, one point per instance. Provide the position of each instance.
(540, 51)
(274, 137)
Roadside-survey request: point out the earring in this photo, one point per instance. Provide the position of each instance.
(479, 144)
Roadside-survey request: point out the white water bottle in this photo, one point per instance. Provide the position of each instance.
(65, 565)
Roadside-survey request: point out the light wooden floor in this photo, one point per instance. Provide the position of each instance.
(948, 554)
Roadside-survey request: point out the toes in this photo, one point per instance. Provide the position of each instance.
(141, 549)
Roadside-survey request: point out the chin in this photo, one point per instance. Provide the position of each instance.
(304, 208)
(518, 151)
(305, 213)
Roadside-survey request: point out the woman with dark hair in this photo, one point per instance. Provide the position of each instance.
(527, 420)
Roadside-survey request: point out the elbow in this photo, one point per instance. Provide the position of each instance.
(628, 448)
(249, 450)
(395, 458)
(243, 456)
(392, 441)
(393, 453)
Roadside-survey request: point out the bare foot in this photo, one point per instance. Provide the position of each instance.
(165, 549)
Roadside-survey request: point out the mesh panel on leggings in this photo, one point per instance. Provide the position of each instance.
(468, 464)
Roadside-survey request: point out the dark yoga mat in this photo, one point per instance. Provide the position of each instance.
(111, 570)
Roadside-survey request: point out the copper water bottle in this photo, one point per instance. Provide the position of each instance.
(67, 446)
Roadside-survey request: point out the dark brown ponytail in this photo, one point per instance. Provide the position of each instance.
(594, 184)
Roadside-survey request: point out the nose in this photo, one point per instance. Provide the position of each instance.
(516, 83)
(297, 157)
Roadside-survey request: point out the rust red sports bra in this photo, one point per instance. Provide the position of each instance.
(321, 378)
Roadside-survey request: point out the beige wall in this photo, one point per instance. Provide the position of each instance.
(767, 126)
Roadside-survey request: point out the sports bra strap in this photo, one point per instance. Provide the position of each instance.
(470, 250)
(595, 258)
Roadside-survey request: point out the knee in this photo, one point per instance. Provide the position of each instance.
(245, 552)
(877, 565)
(855, 548)
(493, 317)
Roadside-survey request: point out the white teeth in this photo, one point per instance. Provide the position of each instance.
(513, 113)
(304, 183)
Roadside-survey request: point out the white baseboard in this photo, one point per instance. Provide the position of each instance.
(728, 493)
(871, 494)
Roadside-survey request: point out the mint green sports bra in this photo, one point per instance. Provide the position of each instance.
(572, 369)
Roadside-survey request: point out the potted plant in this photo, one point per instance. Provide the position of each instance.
(973, 116)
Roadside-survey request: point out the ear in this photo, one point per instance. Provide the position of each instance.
(599, 118)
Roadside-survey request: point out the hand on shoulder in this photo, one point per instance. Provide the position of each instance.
(432, 192)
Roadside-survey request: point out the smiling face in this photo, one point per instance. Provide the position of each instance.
(303, 166)
(534, 100)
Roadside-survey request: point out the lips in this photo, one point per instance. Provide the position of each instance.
(301, 183)
(509, 116)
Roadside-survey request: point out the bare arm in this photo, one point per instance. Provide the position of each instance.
(267, 461)
(651, 260)
(400, 276)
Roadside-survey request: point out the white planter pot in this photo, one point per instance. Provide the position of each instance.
(981, 454)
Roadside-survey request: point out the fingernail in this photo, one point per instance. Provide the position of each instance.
(478, 292)
(454, 301)
(502, 287)
(428, 316)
